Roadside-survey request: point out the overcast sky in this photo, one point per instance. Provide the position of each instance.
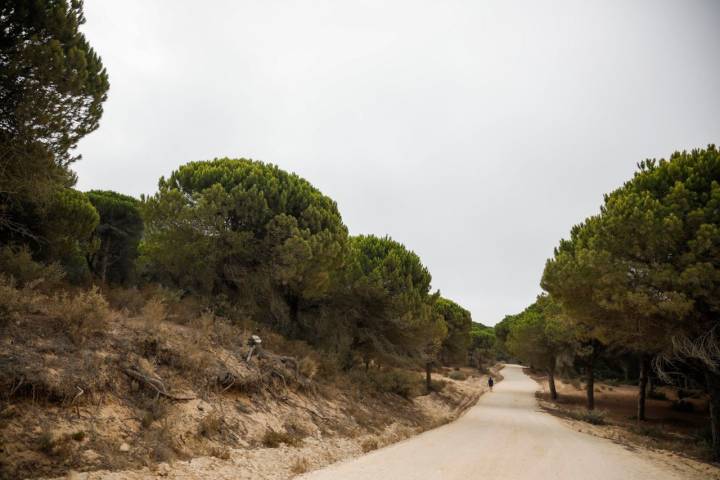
(475, 132)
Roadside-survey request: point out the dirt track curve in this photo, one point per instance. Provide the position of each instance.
(504, 437)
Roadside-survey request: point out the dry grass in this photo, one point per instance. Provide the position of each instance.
(299, 466)
(153, 313)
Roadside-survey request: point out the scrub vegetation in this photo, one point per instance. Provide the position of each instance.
(143, 305)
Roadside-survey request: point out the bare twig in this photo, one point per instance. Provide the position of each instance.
(77, 395)
(16, 387)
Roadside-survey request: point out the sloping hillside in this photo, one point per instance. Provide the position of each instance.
(90, 387)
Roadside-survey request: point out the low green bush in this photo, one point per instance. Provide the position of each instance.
(437, 385)
(594, 417)
(400, 382)
(457, 375)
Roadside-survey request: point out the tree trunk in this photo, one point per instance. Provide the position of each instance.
(294, 306)
(642, 393)
(551, 383)
(105, 260)
(591, 384)
(428, 376)
(713, 385)
(626, 371)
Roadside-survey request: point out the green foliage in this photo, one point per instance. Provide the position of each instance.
(67, 228)
(51, 94)
(482, 337)
(483, 345)
(538, 336)
(643, 273)
(388, 306)
(244, 228)
(400, 382)
(501, 331)
(118, 234)
(459, 323)
(19, 264)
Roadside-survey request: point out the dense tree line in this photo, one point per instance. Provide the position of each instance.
(638, 280)
(227, 231)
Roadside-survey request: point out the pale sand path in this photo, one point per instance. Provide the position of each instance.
(504, 437)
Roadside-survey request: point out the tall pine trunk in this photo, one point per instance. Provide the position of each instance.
(428, 376)
(294, 306)
(642, 383)
(591, 384)
(105, 261)
(551, 383)
(713, 385)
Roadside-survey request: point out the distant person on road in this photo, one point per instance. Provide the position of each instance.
(491, 382)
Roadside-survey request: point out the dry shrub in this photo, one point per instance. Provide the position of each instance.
(227, 334)
(154, 313)
(329, 366)
(84, 314)
(457, 375)
(308, 367)
(130, 300)
(155, 410)
(19, 264)
(222, 453)
(296, 428)
(210, 425)
(162, 443)
(203, 328)
(300, 466)
(273, 439)
(58, 446)
(15, 302)
(369, 445)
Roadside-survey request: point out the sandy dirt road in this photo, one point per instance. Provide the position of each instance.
(504, 437)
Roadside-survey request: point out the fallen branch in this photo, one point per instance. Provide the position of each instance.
(157, 385)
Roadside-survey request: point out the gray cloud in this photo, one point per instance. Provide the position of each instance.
(474, 132)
